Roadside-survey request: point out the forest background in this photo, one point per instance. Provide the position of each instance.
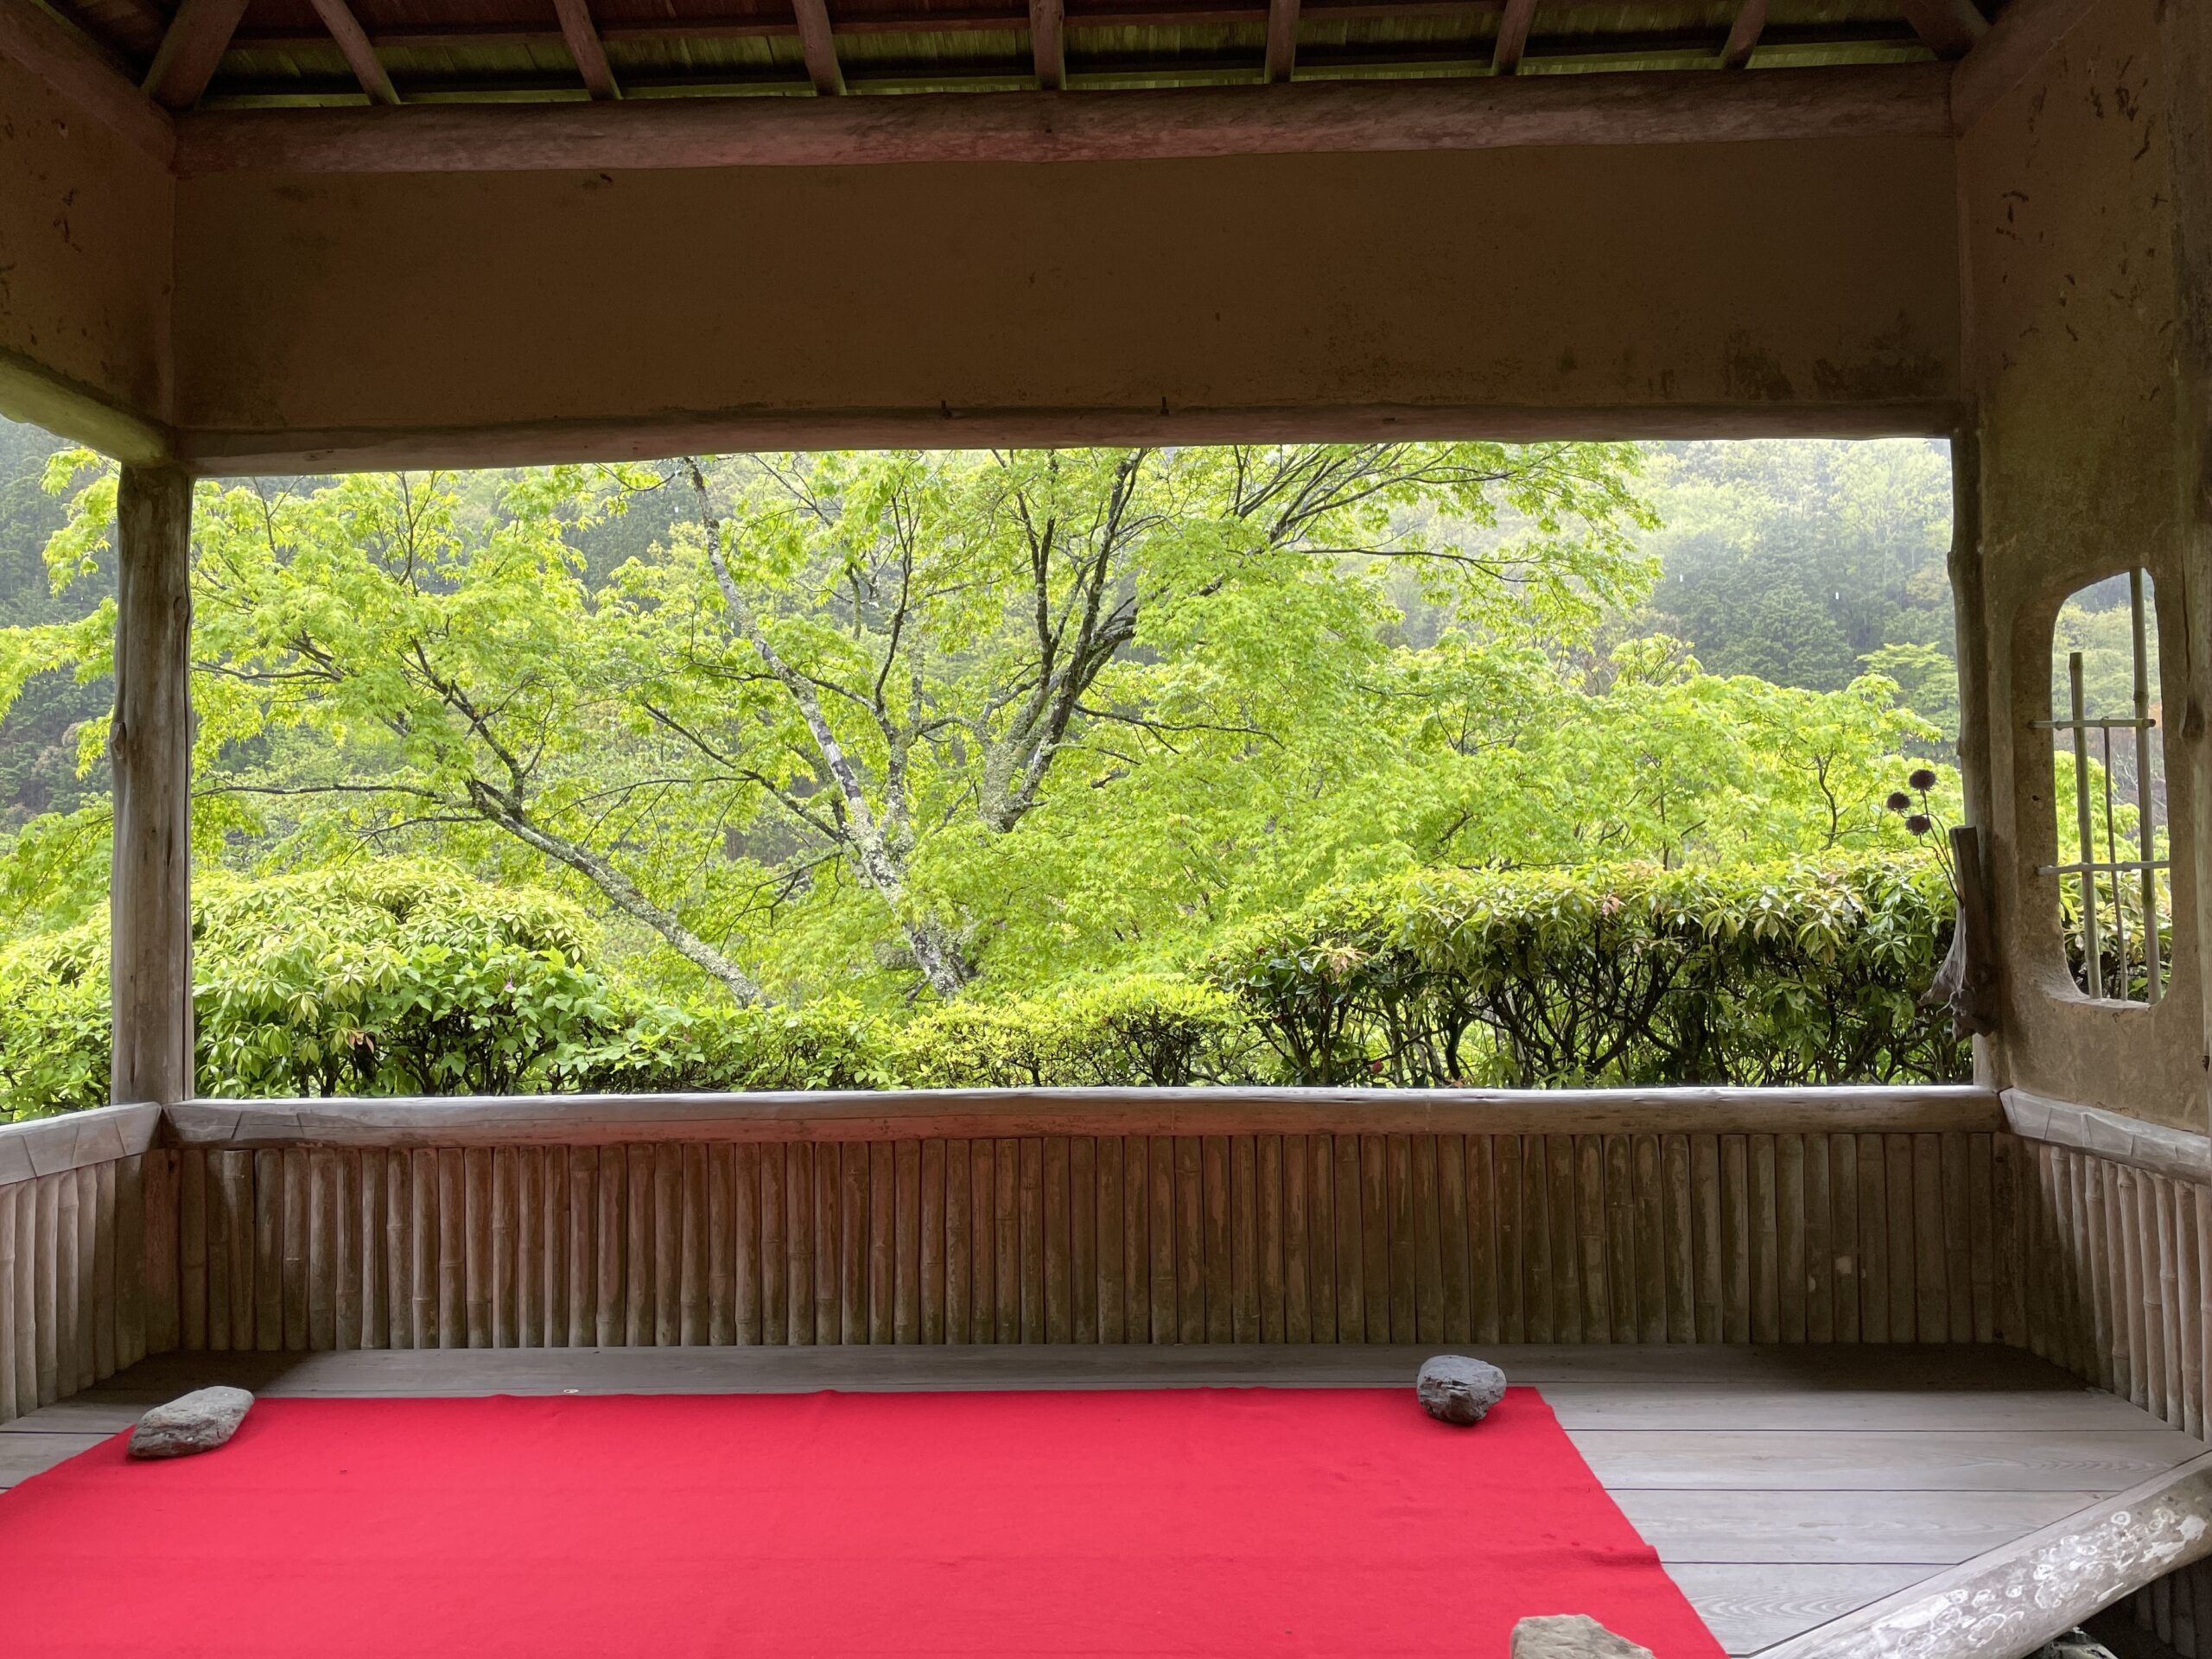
(1405, 763)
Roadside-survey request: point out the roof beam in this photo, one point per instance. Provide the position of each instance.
(1512, 36)
(1282, 39)
(1315, 117)
(821, 50)
(1744, 35)
(360, 56)
(1949, 27)
(198, 36)
(59, 58)
(1047, 44)
(2013, 49)
(582, 37)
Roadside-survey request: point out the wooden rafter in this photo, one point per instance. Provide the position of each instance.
(198, 36)
(1743, 34)
(1282, 39)
(1047, 44)
(360, 56)
(582, 37)
(821, 49)
(1512, 35)
(1949, 27)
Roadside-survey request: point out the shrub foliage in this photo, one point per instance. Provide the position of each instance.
(411, 978)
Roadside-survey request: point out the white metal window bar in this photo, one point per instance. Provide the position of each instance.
(2087, 867)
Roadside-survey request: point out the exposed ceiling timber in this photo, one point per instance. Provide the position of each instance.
(1744, 35)
(1304, 117)
(1949, 27)
(1047, 45)
(581, 34)
(1282, 39)
(197, 38)
(821, 49)
(360, 56)
(1512, 35)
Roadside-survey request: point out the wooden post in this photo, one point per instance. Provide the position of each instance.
(150, 745)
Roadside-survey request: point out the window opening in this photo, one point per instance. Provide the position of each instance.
(2114, 896)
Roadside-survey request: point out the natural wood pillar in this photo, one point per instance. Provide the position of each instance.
(2186, 34)
(151, 746)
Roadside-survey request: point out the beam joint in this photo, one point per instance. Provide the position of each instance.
(586, 48)
(353, 43)
(1048, 44)
(820, 47)
(198, 36)
(1282, 40)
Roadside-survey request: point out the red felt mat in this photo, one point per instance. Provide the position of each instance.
(1222, 1523)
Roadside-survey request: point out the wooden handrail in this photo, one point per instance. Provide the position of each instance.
(583, 1120)
(47, 1146)
(2104, 1135)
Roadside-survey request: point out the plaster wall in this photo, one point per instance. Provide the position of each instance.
(1795, 286)
(2072, 316)
(84, 272)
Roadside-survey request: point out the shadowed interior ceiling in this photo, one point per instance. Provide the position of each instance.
(235, 54)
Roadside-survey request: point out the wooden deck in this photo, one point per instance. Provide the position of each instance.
(1784, 1487)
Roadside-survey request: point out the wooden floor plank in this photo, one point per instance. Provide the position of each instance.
(1934, 1461)
(22, 1456)
(1748, 1608)
(1787, 1527)
(1756, 1406)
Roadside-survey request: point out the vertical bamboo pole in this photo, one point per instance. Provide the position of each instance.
(1465, 1176)
(1267, 1187)
(1709, 1240)
(1790, 1234)
(129, 1265)
(1351, 1280)
(746, 1276)
(639, 1324)
(1398, 1240)
(1498, 1213)
(694, 1318)
(1843, 1233)
(1538, 1311)
(1213, 1189)
(1245, 1238)
(983, 1242)
(1297, 1239)
(158, 1174)
(1083, 1234)
(584, 1202)
(1006, 1274)
(268, 1251)
(323, 1249)
(1647, 1181)
(1736, 1225)
(722, 1245)
(192, 1248)
(934, 1241)
(667, 1244)
(906, 1242)
(11, 1328)
(1191, 1286)
(1874, 1242)
(1056, 1247)
(1981, 1241)
(1137, 1239)
(1766, 1262)
(1818, 1260)
(1321, 1267)
(921, 1241)
(959, 1240)
(426, 1234)
(1114, 1251)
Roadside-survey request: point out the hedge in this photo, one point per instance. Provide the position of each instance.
(410, 978)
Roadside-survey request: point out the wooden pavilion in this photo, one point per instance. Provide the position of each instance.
(265, 236)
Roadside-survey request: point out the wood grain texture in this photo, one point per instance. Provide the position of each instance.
(1310, 117)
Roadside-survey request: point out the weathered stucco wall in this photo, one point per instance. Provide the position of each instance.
(1667, 288)
(85, 269)
(2066, 192)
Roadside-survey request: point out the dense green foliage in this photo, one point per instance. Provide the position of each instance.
(406, 978)
(1409, 763)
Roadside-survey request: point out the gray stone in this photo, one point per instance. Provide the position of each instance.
(1456, 1389)
(199, 1421)
(1572, 1636)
